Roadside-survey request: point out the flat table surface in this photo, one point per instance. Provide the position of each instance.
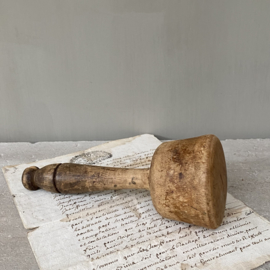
(248, 167)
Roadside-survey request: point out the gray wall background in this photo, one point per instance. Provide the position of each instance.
(101, 70)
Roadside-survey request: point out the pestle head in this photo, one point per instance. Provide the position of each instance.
(188, 181)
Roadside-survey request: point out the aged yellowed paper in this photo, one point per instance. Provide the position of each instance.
(121, 229)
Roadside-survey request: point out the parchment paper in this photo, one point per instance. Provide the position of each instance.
(121, 229)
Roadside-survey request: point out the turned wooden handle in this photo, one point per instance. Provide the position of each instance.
(70, 178)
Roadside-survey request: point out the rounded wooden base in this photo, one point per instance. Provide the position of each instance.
(188, 181)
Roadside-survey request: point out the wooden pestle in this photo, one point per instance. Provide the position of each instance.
(187, 180)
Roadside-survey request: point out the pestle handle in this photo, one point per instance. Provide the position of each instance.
(70, 178)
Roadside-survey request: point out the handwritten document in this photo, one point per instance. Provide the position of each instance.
(121, 229)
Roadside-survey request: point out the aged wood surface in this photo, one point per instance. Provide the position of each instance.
(248, 180)
(187, 180)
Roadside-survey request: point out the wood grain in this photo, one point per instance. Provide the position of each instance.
(187, 180)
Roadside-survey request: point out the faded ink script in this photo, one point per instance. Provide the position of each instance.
(127, 233)
(121, 229)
